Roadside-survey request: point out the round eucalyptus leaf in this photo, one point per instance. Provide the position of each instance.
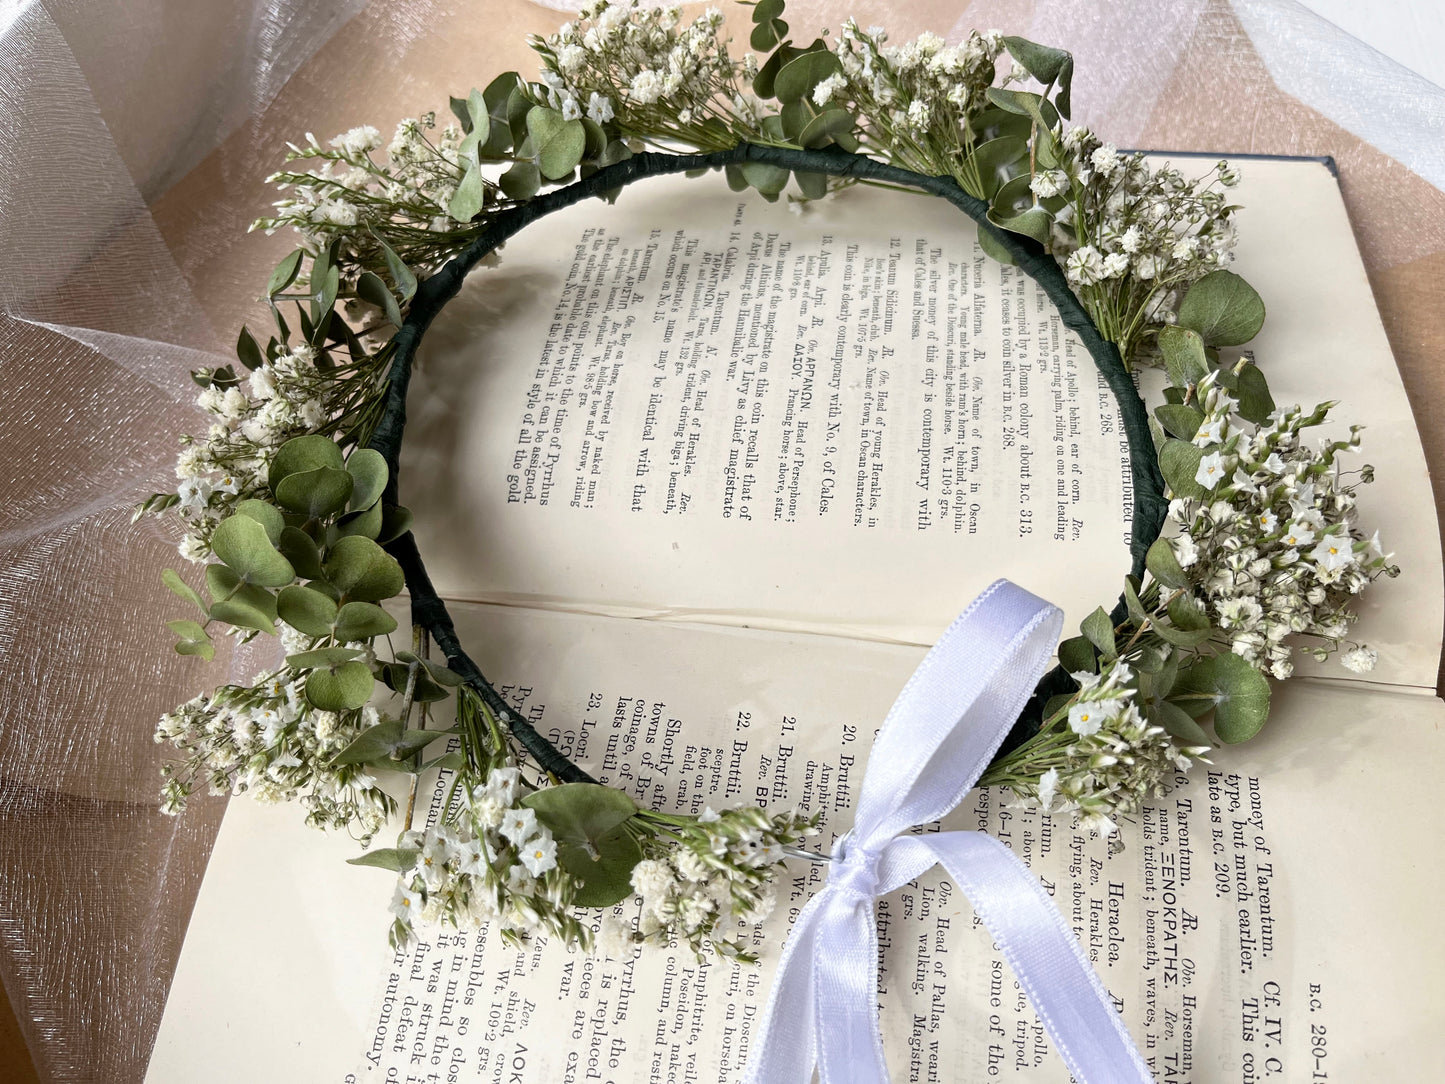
(1256, 404)
(603, 874)
(243, 545)
(362, 571)
(302, 454)
(367, 468)
(373, 744)
(1223, 308)
(395, 522)
(767, 179)
(367, 524)
(328, 657)
(1179, 421)
(317, 493)
(521, 181)
(994, 160)
(239, 603)
(1177, 722)
(301, 550)
(993, 248)
(1187, 614)
(1179, 463)
(1184, 357)
(1076, 655)
(1035, 222)
(812, 185)
(306, 610)
(580, 812)
(821, 129)
(201, 648)
(267, 515)
(187, 629)
(559, 142)
(341, 688)
(1239, 693)
(797, 78)
(362, 621)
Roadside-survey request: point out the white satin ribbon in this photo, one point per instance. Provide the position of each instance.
(940, 734)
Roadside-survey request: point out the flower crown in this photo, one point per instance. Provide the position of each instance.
(290, 499)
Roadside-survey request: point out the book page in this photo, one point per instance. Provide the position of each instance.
(699, 406)
(1272, 918)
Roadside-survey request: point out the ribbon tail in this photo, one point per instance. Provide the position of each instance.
(785, 1046)
(1045, 956)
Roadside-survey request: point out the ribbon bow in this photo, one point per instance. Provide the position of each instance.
(937, 739)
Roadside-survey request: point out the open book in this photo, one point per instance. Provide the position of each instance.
(702, 480)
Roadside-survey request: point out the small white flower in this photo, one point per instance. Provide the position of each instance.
(1298, 534)
(540, 854)
(1211, 432)
(1048, 788)
(599, 108)
(502, 785)
(194, 492)
(519, 825)
(1361, 660)
(1049, 183)
(1085, 719)
(406, 903)
(1211, 470)
(1267, 522)
(1333, 552)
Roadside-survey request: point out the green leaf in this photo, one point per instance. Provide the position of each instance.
(306, 610)
(479, 123)
(285, 273)
(559, 142)
(202, 648)
(339, 688)
(454, 761)
(1025, 104)
(588, 821)
(1179, 421)
(993, 160)
(521, 181)
(366, 523)
(372, 290)
(822, 129)
(1137, 613)
(812, 185)
(764, 10)
(1255, 402)
(181, 588)
(767, 179)
(267, 515)
(1076, 655)
(396, 859)
(317, 493)
(327, 657)
(1240, 694)
(614, 152)
(395, 522)
(1183, 352)
(1045, 64)
(993, 247)
(238, 603)
(1164, 566)
(1099, 629)
(1180, 637)
(362, 621)
(766, 34)
(498, 96)
(301, 550)
(1177, 722)
(1179, 463)
(1187, 614)
(797, 78)
(1223, 308)
(248, 350)
(187, 629)
(1035, 222)
(401, 274)
(302, 454)
(243, 545)
(373, 743)
(362, 571)
(414, 741)
(368, 467)
(471, 194)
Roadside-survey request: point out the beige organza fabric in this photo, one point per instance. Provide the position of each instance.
(134, 140)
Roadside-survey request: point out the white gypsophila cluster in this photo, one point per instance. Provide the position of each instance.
(717, 873)
(494, 862)
(351, 195)
(1111, 760)
(638, 65)
(1274, 548)
(286, 397)
(916, 97)
(266, 740)
(1132, 237)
